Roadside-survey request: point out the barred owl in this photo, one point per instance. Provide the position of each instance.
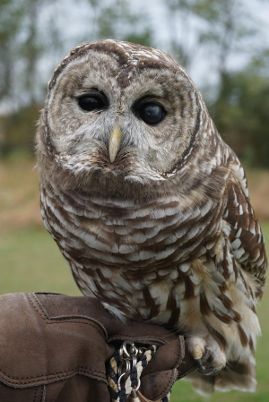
(150, 207)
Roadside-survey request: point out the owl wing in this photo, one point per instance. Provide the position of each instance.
(245, 232)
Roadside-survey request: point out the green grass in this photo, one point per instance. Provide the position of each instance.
(30, 260)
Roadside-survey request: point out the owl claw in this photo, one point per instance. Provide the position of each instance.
(208, 355)
(205, 364)
(198, 351)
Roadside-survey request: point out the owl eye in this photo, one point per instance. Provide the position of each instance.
(151, 112)
(94, 100)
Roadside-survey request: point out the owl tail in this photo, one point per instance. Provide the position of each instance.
(239, 376)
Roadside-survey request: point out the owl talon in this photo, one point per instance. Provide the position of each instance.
(197, 352)
(205, 364)
(208, 355)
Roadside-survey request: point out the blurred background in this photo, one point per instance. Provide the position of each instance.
(223, 44)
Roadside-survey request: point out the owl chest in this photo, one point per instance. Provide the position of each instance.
(132, 258)
(99, 234)
(138, 238)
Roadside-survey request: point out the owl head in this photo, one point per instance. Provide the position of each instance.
(117, 112)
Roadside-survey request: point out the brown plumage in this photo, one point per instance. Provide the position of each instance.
(149, 206)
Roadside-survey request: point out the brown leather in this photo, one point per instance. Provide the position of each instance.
(53, 348)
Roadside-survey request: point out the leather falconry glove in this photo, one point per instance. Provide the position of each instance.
(56, 348)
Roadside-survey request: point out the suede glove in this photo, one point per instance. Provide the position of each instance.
(54, 348)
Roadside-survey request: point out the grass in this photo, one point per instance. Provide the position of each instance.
(30, 260)
(19, 199)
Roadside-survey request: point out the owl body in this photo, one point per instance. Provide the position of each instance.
(154, 219)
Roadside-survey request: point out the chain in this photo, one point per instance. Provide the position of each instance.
(125, 369)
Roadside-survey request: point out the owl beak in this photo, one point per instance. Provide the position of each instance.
(114, 143)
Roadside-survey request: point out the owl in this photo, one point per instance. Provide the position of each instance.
(150, 207)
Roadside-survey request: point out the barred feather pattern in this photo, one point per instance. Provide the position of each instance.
(179, 247)
(170, 263)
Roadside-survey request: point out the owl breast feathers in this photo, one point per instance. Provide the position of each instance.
(150, 207)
